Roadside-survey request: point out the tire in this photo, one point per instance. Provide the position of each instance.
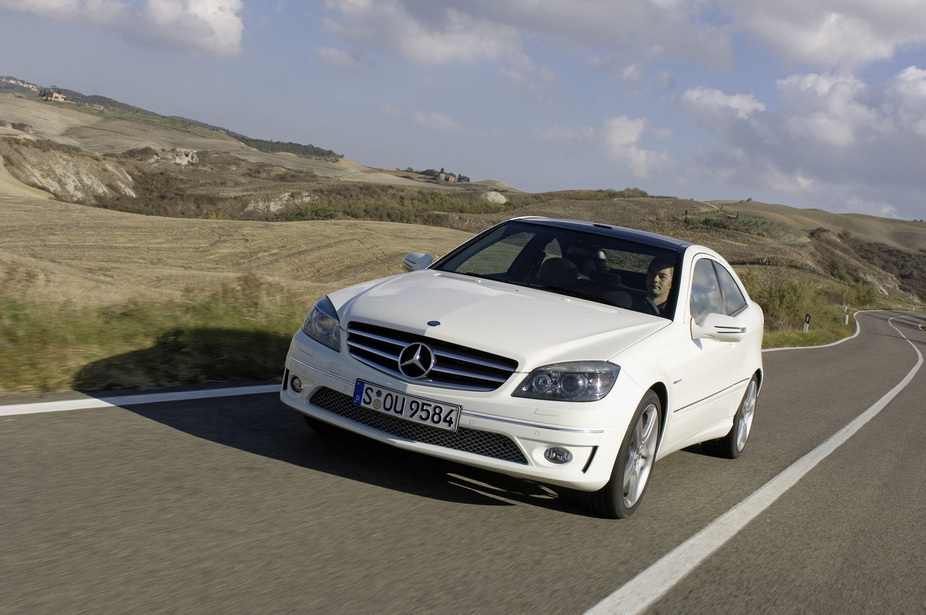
(634, 464)
(731, 445)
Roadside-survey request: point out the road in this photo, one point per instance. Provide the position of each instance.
(231, 504)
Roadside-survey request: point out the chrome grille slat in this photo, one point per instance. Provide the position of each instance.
(385, 355)
(388, 340)
(456, 366)
(469, 359)
(459, 372)
(485, 443)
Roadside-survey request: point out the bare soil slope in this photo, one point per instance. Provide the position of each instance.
(113, 132)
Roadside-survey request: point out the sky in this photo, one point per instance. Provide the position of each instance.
(808, 103)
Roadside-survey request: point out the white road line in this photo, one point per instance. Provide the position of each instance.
(646, 588)
(130, 400)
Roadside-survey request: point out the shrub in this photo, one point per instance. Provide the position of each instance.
(786, 299)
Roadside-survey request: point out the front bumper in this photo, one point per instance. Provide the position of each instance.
(496, 431)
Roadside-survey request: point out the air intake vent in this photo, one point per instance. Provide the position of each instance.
(473, 441)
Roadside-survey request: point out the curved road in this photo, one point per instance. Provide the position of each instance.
(231, 505)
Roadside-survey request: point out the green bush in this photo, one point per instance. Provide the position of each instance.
(786, 299)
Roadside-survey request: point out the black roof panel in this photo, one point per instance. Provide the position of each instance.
(610, 230)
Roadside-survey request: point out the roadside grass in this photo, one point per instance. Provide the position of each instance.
(236, 334)
(816, 335)
(243, 332)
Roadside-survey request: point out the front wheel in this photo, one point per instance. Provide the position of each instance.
(731, 445)
(634, 465)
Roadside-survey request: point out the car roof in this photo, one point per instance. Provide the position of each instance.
(610, 230)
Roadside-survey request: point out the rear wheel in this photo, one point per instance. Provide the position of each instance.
(731, 445)
(634, 465)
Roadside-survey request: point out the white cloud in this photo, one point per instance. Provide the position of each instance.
(832, 33)
(827, 109)
(426, 35)
(830, 133)
(633, 33)
(712, 105)
(905, 96)
(620, 143)
(440, 32)
(213, 26)
(647, 29)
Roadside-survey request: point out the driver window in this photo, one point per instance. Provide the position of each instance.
(705, 291)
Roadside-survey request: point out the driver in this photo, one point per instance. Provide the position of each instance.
(659, 282)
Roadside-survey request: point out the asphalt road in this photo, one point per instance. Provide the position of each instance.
(232, 505)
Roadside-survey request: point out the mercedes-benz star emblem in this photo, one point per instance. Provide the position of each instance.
(416, 360)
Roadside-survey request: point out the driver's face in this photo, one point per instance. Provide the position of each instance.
(658, 284)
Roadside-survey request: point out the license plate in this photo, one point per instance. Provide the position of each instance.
(415, 409)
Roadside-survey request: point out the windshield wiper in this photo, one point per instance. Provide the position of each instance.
(481, 276)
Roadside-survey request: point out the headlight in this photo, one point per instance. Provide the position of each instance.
(576, 381)
(322, 325)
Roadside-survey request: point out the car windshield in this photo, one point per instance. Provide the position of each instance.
(572, 262)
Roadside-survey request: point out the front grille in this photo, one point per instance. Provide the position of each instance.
(455, 366)
(482, 443)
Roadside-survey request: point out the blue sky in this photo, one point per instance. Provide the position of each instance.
(808, 103)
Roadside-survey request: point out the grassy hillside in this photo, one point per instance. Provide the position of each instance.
(142, 251)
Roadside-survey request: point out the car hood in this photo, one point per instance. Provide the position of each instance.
(533, 326)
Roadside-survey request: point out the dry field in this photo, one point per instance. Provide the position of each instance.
(60, 252)
(115, 300)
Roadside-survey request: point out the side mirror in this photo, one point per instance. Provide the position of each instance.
(718, 327)
(417, 261)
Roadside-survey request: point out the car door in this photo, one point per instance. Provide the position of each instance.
(707, 375)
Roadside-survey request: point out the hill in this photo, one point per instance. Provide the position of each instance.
(134, 222)
(96, 151)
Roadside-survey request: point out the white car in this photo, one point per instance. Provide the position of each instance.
(568, 353)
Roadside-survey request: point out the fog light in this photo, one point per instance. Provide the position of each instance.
(557, 454)
(296, 384)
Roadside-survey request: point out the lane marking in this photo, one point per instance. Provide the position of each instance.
(133, 400)
(646, 588)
